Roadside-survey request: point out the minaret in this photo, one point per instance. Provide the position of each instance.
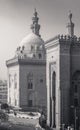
(70, 25)
(35, 26)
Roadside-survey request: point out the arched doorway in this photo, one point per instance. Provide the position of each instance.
(53, 101)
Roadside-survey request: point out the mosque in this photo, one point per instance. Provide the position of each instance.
(63, 79)
(27, 72)
(54, 64)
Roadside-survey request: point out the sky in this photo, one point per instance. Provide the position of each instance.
(16, 18)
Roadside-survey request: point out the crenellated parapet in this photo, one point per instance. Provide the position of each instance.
(64, 39)
(67, 38)
(19, 60)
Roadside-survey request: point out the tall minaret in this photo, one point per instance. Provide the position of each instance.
(70, 26)
(35, 26)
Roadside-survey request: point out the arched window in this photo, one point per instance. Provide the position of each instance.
(15, 102)
(10, 100)
(15, 81)
(33, 55)
(76, 81)
(9, 81)
(75, 102)
(32, 47)
(40, 56)
(23, 47)
(30, 81)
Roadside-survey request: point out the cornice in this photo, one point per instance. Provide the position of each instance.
(20, 61)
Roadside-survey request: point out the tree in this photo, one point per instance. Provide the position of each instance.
(4, 106)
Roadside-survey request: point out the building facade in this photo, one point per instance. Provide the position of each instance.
(27, 72)
(63, 79)
(3, 91)
(31, 70)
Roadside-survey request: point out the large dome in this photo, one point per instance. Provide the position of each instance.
(32, 46)
(32, 40)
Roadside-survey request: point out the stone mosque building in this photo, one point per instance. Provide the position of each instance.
(27, 72)
(32, 69)
(63, 79)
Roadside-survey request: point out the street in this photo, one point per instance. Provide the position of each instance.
(15, 123)
(16, 127)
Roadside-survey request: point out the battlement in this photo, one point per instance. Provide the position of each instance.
(64, 38)
(67, 38)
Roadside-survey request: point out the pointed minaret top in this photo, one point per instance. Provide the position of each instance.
(35, 26)
(35, 12)
(70, 16)
(70, 25)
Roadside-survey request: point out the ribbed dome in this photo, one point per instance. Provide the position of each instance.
(31, 40)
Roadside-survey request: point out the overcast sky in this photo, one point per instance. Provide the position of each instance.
(15, 21)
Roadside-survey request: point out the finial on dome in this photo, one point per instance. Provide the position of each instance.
(35, 26)
(70, 25)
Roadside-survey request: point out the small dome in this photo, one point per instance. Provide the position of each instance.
(31, 40)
